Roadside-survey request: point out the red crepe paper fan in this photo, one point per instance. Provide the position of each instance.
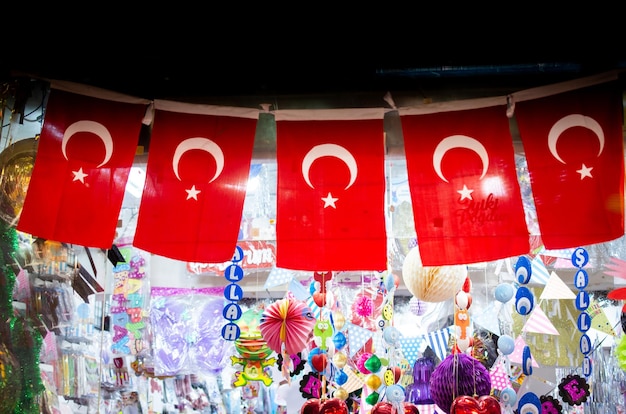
(287, 325)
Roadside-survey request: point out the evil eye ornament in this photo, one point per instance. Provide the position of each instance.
(504, 292)
(391, 335)
(523, 270)
(508, 397)
(506, 344)
(339, 339)
(341, 377)
(527, 361)
(529, 403)
(395, 394)
(524, 301)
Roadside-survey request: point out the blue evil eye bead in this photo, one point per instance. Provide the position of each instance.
(523, 270)
(506, 344)
(339, 339)
(524, 301)
(504, 292)
(341, 377)
(529, 403)
(395, 394)
(391, 335)
(390, 282)
(527, 361)
(508, 397)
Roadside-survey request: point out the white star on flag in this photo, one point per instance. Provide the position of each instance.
(329, 200)
(585, 172)
(465, 193)
(192, 193)
(79, 175)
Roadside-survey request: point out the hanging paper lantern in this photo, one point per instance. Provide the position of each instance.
(360, 363)
(458, 374)
(416, 306)
(431, 283)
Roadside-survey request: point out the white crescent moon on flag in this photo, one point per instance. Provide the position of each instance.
(459, 141)
(203, 144)
(329, 150)
(570, 121)
(95, 128)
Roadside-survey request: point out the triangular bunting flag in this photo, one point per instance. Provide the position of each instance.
(357, 338)
(298, 290)
(488, 318)
(438, 342)
(599, 320)
(538, 322)
(278, 277)
(516, 356)
(539, 272)
(411, 348)
(499, 377)
(556, 289)
(318, 312)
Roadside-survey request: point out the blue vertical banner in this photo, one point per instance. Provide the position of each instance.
(233, 293)
(580, 258)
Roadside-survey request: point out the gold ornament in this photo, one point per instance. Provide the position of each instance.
(341, 393)
(340, 359)
(339, 320)
(17, 162)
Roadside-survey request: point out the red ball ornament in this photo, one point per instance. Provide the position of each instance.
(330, 406)
(385, 407)
(485, 404)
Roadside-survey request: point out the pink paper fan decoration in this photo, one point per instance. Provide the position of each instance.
(287, 323)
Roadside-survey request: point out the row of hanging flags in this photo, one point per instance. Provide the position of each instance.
(330, 214)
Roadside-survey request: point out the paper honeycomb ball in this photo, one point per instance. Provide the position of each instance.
(431, 283)
(458, 374)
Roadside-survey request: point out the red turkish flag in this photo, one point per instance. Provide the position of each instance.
(331, 187)
(86, 149)
(196, 178)
(573, 143)
(466, 199)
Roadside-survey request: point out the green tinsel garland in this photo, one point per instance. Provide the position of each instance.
(25, 342)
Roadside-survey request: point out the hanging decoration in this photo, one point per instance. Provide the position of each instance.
(574, 390)
(484, 404)
(255, 353)
(128, 302)
(580, 257)
(462, 302)
(458, 375)
(551, 405)
(286, 325)
(233, 293)
(431, 283)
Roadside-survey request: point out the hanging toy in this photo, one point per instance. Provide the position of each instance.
(464, 339)
(319, 297)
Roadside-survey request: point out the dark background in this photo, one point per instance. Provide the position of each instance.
(205, 53)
